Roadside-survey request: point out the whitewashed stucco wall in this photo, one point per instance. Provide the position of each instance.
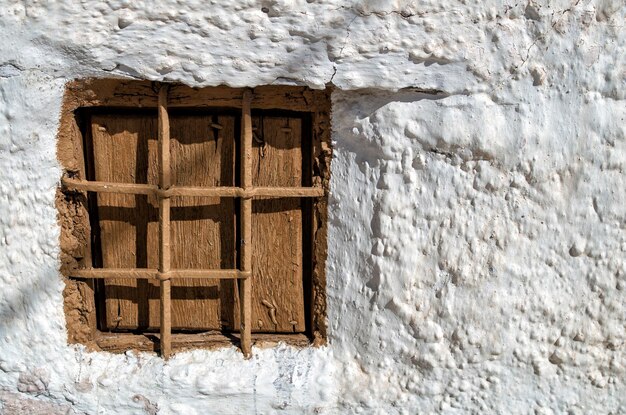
(477, 235)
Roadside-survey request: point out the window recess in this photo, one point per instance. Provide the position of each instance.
(193, 218)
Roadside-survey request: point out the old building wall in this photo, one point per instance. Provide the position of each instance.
(476, 240)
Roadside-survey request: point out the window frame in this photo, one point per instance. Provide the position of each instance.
(72, 197)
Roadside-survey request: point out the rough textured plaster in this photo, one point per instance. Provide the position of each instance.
(477, 237)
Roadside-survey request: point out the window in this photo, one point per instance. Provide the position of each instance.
(193, 217)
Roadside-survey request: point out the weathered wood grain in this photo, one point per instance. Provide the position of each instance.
(278, 299)
(142, 94)
(202, 228)
(125, 151)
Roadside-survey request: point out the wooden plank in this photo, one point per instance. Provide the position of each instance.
(246, 246)
(203, 230)
(125, 151)
(278, 300)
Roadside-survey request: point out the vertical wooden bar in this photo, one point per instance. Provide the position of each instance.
(245, 285)
(164, 224)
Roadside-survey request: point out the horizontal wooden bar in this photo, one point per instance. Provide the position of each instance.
(109, 187)
(250, 192)
(149, 273)
(204, 191)
(178, 191)
(209, 273)
(125, 273)
(285, 192)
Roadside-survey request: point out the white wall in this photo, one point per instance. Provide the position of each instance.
(477, 236)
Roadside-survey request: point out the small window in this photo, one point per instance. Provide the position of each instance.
(193, 217)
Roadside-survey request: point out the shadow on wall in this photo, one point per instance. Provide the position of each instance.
(23, 301)
(351, 107)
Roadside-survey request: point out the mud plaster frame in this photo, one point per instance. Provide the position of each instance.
(73, 215)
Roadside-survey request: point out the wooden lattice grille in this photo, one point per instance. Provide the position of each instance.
(165, 191)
